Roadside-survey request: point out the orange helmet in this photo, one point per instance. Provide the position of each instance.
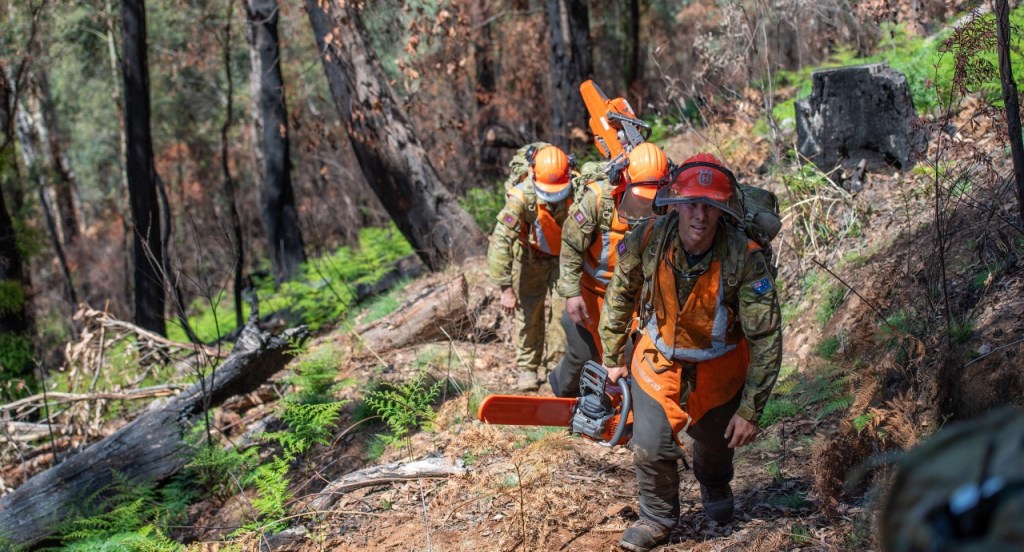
(702, 179)
(645, 172)
(551, 168)
(647, 163)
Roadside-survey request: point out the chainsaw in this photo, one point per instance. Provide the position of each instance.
(601, 412)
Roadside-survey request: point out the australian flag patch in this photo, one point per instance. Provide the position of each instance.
(762, 286)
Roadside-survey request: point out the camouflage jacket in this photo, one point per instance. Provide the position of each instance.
(755, 304)
(507, 239)
(584, 225)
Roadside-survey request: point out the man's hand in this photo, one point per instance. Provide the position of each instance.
(616, 373)
(740, 432)
(577, 310)
(509, 301)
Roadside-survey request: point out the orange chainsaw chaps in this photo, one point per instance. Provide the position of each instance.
(605, 132)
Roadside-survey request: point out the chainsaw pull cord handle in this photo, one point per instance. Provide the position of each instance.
(623, 414)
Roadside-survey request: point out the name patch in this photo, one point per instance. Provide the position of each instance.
(762, 286)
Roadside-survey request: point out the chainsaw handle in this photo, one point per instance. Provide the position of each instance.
(623, 413)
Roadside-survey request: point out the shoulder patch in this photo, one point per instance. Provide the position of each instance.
(762, 286)
(509, 219)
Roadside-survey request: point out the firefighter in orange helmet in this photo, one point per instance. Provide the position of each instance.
(523, 254)
(708, 346)
(591, 239)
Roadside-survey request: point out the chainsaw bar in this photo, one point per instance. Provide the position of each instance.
(527, 410)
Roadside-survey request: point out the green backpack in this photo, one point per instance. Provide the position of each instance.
(761, 220)
(519, 166)
(962, 490)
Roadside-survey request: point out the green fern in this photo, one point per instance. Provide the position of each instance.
(214, 468)
(126, 522)
(308, 424)
(835, 405)
(271, 484)
(406, 406)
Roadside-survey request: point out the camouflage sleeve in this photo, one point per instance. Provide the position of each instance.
(761, 319)
(577, 234)
(506, 233)
(620, 298)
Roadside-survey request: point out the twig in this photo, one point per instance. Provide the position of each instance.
(997, 349)
(866, 302)
(149, 392)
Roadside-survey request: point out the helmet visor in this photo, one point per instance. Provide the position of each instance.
(552, 193)
(698, 183)
(637, 203)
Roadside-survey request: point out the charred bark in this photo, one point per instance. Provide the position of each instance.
(139, 166)
(148, 449)
(64, 184)
(571, 65)
(270, 116)
(392, 158)
(14, 320)
(238, 266)
(1010, 98)
(32, 137)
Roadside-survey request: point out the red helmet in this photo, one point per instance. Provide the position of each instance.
(703, 179)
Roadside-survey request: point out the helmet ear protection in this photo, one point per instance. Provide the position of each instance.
(531, 155)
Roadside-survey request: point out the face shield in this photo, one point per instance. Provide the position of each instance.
(706, 183)
(637, 202)
(552, 193)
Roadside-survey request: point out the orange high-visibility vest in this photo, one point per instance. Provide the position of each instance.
(544, 233)
(600, 258)
(699, 333)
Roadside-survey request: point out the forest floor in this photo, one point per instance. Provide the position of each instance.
(855, 385)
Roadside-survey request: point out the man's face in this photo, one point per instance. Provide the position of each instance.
(698, 223)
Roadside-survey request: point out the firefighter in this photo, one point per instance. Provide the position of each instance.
(590, 241)
(708, 343)
(523, 254)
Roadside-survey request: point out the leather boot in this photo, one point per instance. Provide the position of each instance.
(527, 381)
(644, 535)
(718, 503)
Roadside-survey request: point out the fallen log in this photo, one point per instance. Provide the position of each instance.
(439, 312)
(150, 448)
(382, 475)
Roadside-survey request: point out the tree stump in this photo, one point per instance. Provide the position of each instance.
(857, 113)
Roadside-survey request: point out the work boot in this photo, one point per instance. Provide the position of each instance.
(718, 503)
(644, 535)
(527, 381)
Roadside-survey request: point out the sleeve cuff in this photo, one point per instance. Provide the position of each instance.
(746, 412)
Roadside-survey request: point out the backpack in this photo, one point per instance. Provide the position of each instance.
(519, 166)
(597, 172)
(761, 220)
(962, 489)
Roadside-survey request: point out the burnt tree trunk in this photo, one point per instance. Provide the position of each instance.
(634, 57)
(31, 136)
(142, 178)
(270, 119)
(392, 158)
(571, 65)
(238, 264)
(1010, 98)
(64, 179)
(150, 448)
(14, 319)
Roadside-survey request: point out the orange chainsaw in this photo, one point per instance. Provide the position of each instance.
(601, 412)
(615, 126)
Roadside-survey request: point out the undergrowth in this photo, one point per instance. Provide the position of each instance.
(320, 294)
